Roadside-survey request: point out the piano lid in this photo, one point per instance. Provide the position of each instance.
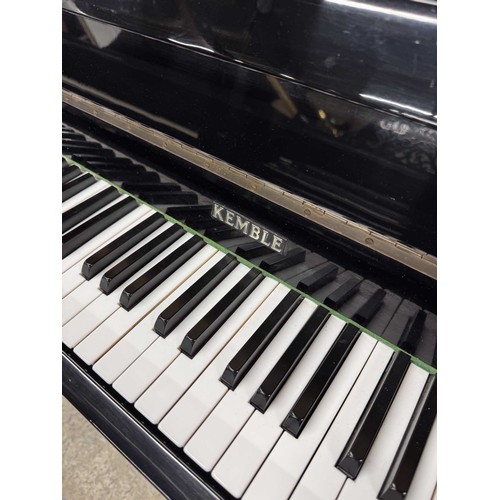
(375, 168)
(377, 52)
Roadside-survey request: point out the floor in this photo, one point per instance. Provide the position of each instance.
(93, 469)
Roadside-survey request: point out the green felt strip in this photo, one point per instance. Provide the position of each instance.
(245, 262)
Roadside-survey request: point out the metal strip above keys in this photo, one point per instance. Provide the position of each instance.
(416, 259)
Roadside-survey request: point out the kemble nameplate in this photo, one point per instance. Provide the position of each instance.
(249, 228)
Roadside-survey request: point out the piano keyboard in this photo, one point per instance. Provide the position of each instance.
(261, 388)
(339, 288)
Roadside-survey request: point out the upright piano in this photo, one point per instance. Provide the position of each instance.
(249, 243)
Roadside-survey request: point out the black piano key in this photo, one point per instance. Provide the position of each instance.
(343, 293)
(315, 389)
(122, 271)
(66, 134)
(69, 144)
(181, 307)
(155, 194)
(364, 434)
(278, 262)
(87, 159)
(319, 279)
(96, 161)
(246, 357)
(366, 312)
(70, 138)
(86, 208)
(146, 283)
(426, 342)
(412, 333)
(87, 230)
(222, 233)
(174, 198)
(121, 176)
(116, 169)
(70, 172)
(146, 187)
(76, 185)
(98, 261)
(87, 149)
(272, 384)
(253, 250)
(203, 331)
(400, 475)
(199, 223)
(183, 212)
(78, 140)
(399, 320)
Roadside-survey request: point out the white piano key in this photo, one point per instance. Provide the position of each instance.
(142, 335)
(243, 458)
(73, 277)
(84, 195)
(193, 408)
(179, 376)
(423, 486)
(154, 360)
(372, 475)
(89, 247)
(88, 291)
(215, 435)
(284, 466)
(105, 305)
(78, 300)
(321, 480)
(110, 331)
